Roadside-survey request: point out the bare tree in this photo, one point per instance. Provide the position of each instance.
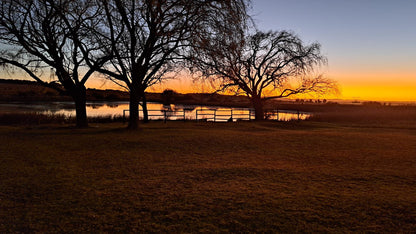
(42, 34)
(263, 66)
(150, 37)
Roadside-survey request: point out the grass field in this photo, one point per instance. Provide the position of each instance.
(205, 177)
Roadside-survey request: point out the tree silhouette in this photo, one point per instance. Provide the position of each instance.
(264, 65)
(150, 37)
(42, 34)
(168, 96)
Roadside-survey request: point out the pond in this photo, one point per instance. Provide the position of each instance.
(156, 111)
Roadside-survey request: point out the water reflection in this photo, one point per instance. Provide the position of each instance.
(156, 111)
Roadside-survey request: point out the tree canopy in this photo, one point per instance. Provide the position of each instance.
(136, 43)
(47, 34)
(150, 38)
(263, 65)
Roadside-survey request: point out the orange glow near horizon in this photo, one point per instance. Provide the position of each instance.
(361, 87)
(380, 92)
(377, 87)
(371, 88)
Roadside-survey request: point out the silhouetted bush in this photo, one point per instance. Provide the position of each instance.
(168, 96)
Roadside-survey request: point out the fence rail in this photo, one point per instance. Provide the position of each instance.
(163, 115)
(224, 115)
(221, 115)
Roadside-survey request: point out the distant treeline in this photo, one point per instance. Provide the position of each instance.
(14, 81)
(26, 91)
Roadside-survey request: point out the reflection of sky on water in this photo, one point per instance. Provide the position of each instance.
(156, 111)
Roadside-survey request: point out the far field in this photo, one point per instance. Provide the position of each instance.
(205, 177)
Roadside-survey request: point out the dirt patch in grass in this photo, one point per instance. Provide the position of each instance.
(205, 177)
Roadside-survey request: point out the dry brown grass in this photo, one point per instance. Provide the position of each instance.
(380, 116)
(205, 177)
(36, 118)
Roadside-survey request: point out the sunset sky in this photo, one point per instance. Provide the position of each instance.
(370, 44)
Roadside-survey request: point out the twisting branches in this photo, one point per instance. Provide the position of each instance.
(151, 38)
(276, 62)
(52, 34)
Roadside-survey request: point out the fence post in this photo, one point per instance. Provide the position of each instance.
(277, 114)
(215, 115)
(124, 116)
(164, 114)
(298, 115)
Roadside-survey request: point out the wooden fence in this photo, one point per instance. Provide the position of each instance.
(220, 115)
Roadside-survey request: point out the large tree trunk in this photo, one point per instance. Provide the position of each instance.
(134, 111)
(258, 108)
(145, 111)
(78, 94)
(81, 111)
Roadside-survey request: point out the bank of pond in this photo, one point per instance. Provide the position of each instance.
(156, 111)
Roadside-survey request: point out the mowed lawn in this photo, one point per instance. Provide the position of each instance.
(206, 177)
